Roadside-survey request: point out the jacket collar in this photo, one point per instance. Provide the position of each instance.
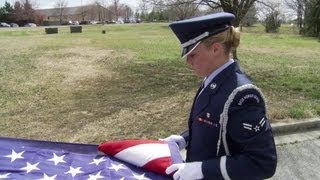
(213, 87)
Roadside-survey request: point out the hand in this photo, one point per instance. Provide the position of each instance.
(177, 139)
(186, 171)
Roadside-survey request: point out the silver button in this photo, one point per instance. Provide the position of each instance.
(208, 115)
(213, 85)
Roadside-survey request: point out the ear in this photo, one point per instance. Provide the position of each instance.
(217, 49)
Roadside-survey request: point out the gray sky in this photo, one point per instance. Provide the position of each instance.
(42, 4)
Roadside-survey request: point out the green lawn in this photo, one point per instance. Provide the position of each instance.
(132, 83)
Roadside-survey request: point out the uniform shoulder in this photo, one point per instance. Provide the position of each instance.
(247, 94)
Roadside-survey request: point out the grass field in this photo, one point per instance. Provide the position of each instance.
(131, 82)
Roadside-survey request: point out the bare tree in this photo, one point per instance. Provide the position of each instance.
(23, 12)
(17, 11)
(128, 13)
(116, 8)
(99, 7)
(183, 11)
(237, 7)
(299, 7)
(251, 17)
(61, 6)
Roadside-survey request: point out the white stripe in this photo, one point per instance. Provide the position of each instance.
(139, 155)
(194, 40)
(263, 123)
(223, 168)
(190, 52)
(247, 128)
(261, 120)
(245, 124)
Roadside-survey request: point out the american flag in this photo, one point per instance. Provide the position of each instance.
(43, 160)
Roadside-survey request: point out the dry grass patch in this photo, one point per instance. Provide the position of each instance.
(151, 120)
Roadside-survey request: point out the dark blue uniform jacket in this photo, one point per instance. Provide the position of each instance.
(229, 130)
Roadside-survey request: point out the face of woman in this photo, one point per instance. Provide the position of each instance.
(204, 60)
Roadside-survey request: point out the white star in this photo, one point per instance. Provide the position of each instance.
(15, 155)
(141, 177)
(257, 128)
(57, 159)
(95, 177)
(30, 167)
(74, 171)
(117, 167)
(4, 176)
(46, 177)
(98, 161)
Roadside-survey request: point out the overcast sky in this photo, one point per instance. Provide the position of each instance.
(43, 4)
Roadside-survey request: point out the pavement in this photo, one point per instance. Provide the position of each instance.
(298, 149)
(298, 156)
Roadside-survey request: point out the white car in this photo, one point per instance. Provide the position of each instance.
(3, 24)
(30, 25)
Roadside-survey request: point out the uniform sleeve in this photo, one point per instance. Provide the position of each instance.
(250, 141)
(185, 135)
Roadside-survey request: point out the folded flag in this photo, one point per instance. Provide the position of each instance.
(31, 159)
(153, 155)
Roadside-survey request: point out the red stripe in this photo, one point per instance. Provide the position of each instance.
(113, 147)
(159, 165)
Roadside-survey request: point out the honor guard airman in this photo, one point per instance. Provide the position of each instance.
(229, 134)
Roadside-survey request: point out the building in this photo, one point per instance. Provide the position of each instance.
(65, 15)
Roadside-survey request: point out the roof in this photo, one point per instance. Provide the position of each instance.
(66, 11)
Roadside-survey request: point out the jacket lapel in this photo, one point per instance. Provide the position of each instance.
(212, 88)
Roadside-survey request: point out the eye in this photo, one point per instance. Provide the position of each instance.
(192, 55)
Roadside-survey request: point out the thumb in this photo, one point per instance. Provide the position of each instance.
(172, 168)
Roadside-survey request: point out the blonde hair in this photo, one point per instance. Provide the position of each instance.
(230, 39)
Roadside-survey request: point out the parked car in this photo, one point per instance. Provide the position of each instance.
(30, 25)
(14, 25)
(84, 22)
(3, 24)
(75, 23)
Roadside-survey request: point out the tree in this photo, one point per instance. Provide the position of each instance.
(272, 22)
(250, 18)
(61, 6)
(183, 11)
(308, 15)
(99, 8)
(116, 8)
(237, 7)
(128, 13)
(299, 7)
(23, 12)
(312, 18)
(5, 12)
(28, 11)
(17, 13)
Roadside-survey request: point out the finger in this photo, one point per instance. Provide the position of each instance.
(172, 168)
(176, 176)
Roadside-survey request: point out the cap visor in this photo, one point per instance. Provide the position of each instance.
(187, 50)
